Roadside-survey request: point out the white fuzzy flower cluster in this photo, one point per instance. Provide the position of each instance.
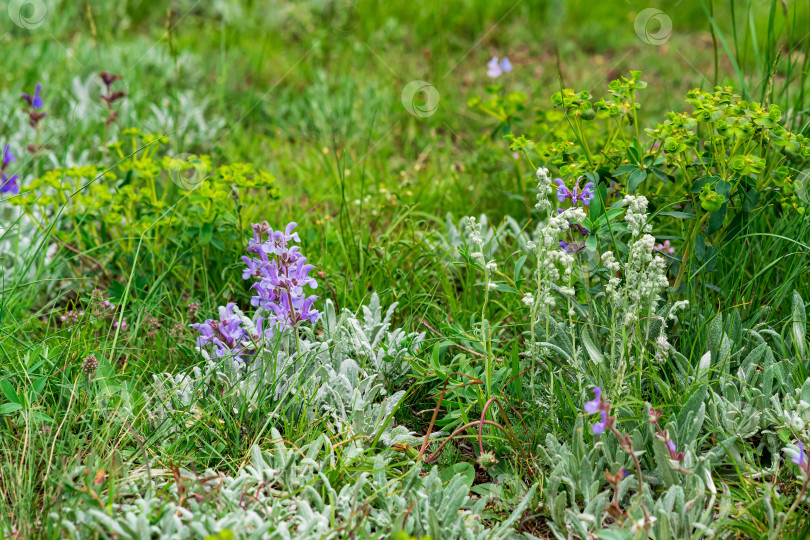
(644, 273)
(543, 189)
(636, 215)
(474, 231)
(553, 263)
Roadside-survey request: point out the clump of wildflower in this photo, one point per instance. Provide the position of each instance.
(474, 233)
(575, 195)
(193, 308)
(497, 68)
(227, 335)
(8, 184)
(282, 273)
(72, 317)
(152, 326)
(101, 307)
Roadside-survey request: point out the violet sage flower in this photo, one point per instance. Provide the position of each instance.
(575, 195)
(282, 273)
(227, 335)
(35, 103)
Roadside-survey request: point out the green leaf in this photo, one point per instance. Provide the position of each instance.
(635, 178)
(206, 233)
(8, 408)
(624, 169)
(518, 268)
(717, 218)
(9, 391)
(692, 405)
(679, 215)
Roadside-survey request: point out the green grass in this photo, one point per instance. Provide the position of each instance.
(310, 91)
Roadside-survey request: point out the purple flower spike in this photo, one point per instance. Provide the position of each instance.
(799, 458)
(593, 405)
(600, 426)
(586, 195)
(282, 273)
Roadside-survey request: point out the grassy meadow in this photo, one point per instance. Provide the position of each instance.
(546, 273)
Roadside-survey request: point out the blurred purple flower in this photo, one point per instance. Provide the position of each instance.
(8, 184)
(593, 405)
(34, 101)
(799, 458)
(495, 69)
(600, 426)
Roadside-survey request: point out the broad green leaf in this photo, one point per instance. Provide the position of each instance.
(8, 408)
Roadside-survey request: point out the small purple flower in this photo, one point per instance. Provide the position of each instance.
(671, 446)
(574, 247)
(583, 196)
(226, 335)
(593, 405)
(799, 458)
(8, 156)
(600, 426)
(495, 69)
(34, 101)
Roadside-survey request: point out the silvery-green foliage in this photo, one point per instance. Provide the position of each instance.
(682, 505)
(749, 392)
(286, 493)
(345, 367)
